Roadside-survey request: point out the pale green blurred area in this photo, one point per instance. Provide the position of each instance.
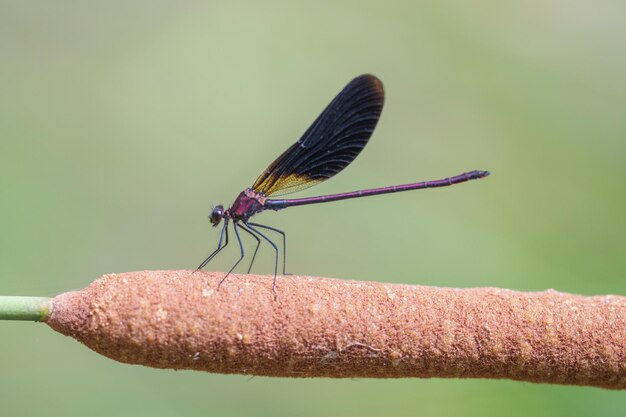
(121, 124)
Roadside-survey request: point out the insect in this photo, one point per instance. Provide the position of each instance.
(332, 142)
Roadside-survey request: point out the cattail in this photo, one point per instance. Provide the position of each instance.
(320, 327)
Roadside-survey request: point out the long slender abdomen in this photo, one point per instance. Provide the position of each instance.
(466, 176)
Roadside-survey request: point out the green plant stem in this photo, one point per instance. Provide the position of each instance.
(24, 308)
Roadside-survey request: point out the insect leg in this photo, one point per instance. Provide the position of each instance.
(284, 242)
(238, 260)
(275, 249)
(219, 247)
(258, 243)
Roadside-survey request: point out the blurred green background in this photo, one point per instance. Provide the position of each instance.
(122, 123)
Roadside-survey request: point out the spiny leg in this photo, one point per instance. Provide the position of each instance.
(219, 247)
(275, 249)
(238, 260)
(284, 242)
(258, 243)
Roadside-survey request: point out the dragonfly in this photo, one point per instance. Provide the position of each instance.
(329, 145)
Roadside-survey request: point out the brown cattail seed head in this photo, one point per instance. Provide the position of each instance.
(335, 328)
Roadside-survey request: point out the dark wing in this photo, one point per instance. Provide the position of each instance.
(332, 142)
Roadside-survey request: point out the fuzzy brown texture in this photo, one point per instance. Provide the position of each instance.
(335, 328)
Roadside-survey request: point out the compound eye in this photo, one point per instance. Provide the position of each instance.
(216, 215)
